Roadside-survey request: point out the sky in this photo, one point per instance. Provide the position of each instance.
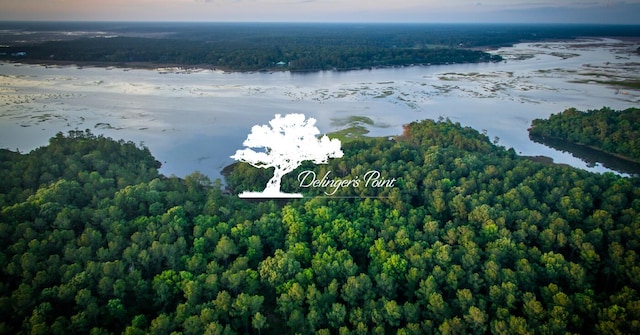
(450, 11)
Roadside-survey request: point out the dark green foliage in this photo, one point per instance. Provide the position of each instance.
(615, 132)
(98, 164)
(250, 57)
(472, 239)
(263, 46)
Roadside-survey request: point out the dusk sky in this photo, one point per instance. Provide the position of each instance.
(539, 11)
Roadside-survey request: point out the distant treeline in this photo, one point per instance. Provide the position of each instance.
(615, 132)
(269, 46)
(245, 57)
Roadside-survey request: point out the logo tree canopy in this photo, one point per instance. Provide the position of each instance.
(287, 142)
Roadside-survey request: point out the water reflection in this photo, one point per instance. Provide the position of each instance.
(591, 156)
(195, 120)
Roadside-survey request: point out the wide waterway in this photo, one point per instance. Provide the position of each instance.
(194, 120)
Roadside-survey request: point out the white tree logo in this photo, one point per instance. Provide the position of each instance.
(287, 141)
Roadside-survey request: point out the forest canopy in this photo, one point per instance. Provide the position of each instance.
(250, 57)
(614, 132)
(274, 46)
(473, 239)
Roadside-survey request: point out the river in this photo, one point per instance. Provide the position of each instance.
(195, 119)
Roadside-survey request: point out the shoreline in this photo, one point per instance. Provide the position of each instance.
(204, 66)
(201, 67)
(592, 155)
(374, 89)
(619, 156)
(119, 65)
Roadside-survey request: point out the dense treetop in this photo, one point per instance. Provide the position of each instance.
(615, 132)
(77, 156)
(471, 239)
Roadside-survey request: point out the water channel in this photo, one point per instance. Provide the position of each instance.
(195, 119)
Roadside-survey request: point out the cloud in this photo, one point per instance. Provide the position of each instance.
(589, 11)
(601, 13)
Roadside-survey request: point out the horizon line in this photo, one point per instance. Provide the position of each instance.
(322, 22)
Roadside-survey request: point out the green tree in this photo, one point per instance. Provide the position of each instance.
(336, 315)
(259, 322)
(225, 248)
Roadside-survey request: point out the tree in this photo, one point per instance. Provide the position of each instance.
(259, 322)
(336, 315)
(244, 306)
(507, 259)
(288, 142)
(225, 248)
(279, 268)
(476, 320)
(356, 289)
(161, 325)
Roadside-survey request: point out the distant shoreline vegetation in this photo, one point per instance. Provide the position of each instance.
(296, 47)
